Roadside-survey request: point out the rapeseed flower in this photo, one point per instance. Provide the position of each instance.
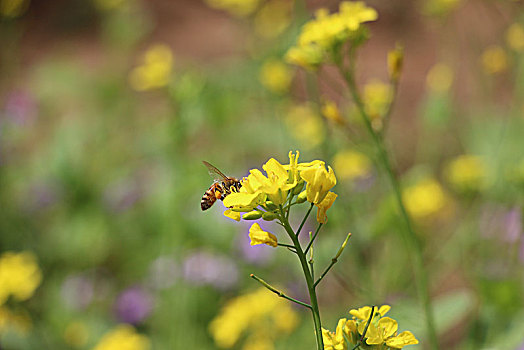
(515, 37)
(276, 76)
(305, 125)
(318, 182)
(331, 112)
(424, 198)
(324, 205)
(123, 337)
(466, 173)
(273, 18)
(155, 71)
(440, 78)
(253, 314)
(351, 165)
(19, 275)
(259, 236)
(377, 98)
(76, 334)
(395, 62)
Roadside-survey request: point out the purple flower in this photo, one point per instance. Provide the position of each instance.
(77, 292)
(133, 305)
(513, 224)
(203, 268)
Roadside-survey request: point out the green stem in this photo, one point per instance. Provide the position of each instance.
(309, 280)
(304, 220)
(278, 292)
(414, 245)
(313, 239)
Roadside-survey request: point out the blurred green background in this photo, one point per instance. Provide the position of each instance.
(108, 107)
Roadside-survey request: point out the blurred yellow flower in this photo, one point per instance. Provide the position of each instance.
(19, 275)
(424, 198)
(276, 76)
(123, 337)
(515, 37)
(351, 165)
(331, 112)
(377, 98)
(305, 125)
(13, 8)
(255, 312)
(466, 173)
(308, 57)
(324, 206)
(238, 8)
(319, 181)
(155, 71)
(395, 62)
(259, 236)
(440, 7)
(273, 18)
(494, 60)
(76, 334)
(440, 78)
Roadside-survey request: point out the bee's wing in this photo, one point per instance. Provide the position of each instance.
(216, 174)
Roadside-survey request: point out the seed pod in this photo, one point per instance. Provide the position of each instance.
(253, 215)
(268, 216)
(302, 197)
(271, 206)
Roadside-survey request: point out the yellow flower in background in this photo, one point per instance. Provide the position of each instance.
(76, 334)
(515, 37)
(424, 198)
(276, 76)
(123, 337)
(259, 236)
(395, 62)
(324, 206)
(273, 18)
(13, 8)
(319, 181)
(305, 125)
(440, 78)
(308, 57)
(494, 60)
(253, 313)
(351, 165)
(331, 112)
(238, 8)
(19, 275)
(155, 71)
(377, 97)
(466, 172)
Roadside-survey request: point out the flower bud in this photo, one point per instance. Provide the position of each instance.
(298, 188)
(253, 215)
(395, 61)
(241, 209)
(302, 197)
(269, 216)
(271, 206)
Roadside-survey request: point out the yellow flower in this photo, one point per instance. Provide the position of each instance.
(235, 215)
(439, 78)
(238, 8)
(424, 198)
(515, 37)
(76, 334)
(155, 72)
(403, 339)
(335, 340)
(123, 337)
(319, 182)
(305, 125)
(13, 8)
(494, 60)
(273, 18)
(276, 76)
(308, 57)
(466, 173)
(377, 97)
(395, 62)
(351, 165)
(364, 312)
(324, 206)
(19, 275)
(379, 333)
(331, 112)
(259, 236)
(249, 313)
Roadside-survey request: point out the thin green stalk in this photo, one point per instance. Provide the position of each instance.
(414, 245)
(304, 220)
(334, 260)
(313, 239)
(278, 292)
(309, 280)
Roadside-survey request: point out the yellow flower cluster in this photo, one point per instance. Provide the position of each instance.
(123, 337)
(238, 8)
(261, 195)
(323, 34)
(259, 315)
(19, 276)
(381, 333)
(466, 173)
(155, 71)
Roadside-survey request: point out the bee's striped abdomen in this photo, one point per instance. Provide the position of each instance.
(209, 198)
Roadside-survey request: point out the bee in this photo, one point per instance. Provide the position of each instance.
(222, 187)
